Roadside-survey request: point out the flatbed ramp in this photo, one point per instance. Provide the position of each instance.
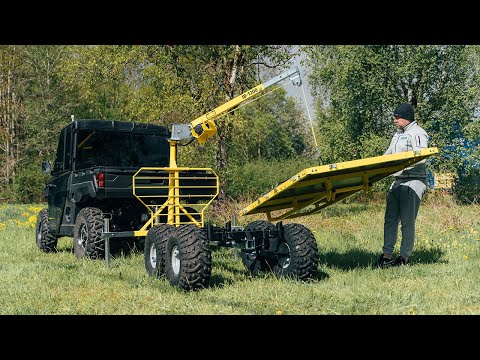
(315, 188)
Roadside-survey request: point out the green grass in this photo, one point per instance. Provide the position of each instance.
(443, 276)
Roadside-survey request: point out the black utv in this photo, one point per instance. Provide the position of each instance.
(92, 178)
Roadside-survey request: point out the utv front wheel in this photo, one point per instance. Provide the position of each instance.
(46, 241)
(87, 234)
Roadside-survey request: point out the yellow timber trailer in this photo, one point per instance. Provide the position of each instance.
(178, 240)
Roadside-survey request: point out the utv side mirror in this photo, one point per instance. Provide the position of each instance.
(46, 167)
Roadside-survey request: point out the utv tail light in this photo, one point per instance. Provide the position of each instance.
(100, 177)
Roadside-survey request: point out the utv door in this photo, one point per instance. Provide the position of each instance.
(57, 193)
(57, 187)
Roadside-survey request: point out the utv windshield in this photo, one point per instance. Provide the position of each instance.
(121, 149)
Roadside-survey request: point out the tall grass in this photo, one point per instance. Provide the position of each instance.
(443, 276)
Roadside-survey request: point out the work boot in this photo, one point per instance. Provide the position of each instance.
(384, 262)
(400, 261)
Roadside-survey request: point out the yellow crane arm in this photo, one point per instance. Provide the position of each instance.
(204, 126)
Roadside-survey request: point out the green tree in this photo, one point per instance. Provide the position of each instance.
(274, 127)
(35, 105)
(357, 86)
(48, 105)
(187, 81)
(12, 112)
(104, 77)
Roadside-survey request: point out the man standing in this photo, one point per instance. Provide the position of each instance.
(407, 190)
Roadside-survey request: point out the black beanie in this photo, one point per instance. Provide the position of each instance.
(404, 111)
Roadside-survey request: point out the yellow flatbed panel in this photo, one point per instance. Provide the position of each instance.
(314, 188)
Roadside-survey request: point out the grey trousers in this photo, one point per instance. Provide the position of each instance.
(403, 201)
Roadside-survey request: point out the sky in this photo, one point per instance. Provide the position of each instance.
(296, 92)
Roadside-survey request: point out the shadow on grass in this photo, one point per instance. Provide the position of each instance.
(65, 250)
(352, 259)
(119, 249)
(125, 252)
(218, 280)
(229, 275)
(232, 272)
(358, 259)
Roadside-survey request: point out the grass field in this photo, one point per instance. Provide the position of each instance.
(443, 276)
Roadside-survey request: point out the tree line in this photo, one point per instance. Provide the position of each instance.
(354, 89)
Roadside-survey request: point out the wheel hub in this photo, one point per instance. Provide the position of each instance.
(153, 255)
(284, 255)
(176, 260)
(39, 234)
(83, 238)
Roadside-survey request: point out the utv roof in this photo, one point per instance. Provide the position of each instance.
(126, 126)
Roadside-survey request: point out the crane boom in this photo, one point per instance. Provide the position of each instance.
(203, 127)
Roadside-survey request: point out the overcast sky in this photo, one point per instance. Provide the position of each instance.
(297, 92)
(292, 90)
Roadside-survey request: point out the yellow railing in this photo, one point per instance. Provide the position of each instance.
(174, 195)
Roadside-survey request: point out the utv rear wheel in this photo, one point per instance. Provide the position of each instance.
(297, 254)
(155, 247)
(87, 234)
(46, 241)
(188, 258)
(254, 263)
